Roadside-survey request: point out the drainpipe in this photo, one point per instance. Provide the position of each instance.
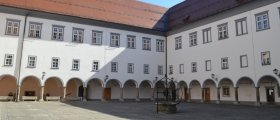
(19, 57)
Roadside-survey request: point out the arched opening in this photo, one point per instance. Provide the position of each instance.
(53, 88)
(269, 89)
(159, 90)
(112, 90)
(182, 90)
(145, 90)
(30, 88)
(172, 93)
(210, 90)
(94, 89)
(8, 87)
(195, 91)
(74, 89)
(246, 90)
(227, 91)
(130, 89)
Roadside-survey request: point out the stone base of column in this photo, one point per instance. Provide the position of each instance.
(236, 102)
(257, 104)
(218, 101)
(202, 101)
(84, 100)
(188, 100)
(138, 100)
(121, 100)
(41, 100)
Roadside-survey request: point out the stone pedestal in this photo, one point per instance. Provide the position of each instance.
(166, 107)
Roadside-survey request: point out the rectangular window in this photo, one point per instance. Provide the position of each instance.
(146, 43)
(146, 69)
(178, 43)
(262, 21)
(114, 67)
(115, 40)
(243, 61)
(76, 64)
(55, 63)
(35, 30)
(226, 91)
(193, 39)
(207, 35)
(96, 37)
(241, 26)
(265, 56)
(12, 27)
(223, 31)
(160, 70)
(31, 61)
(194, 67)
(160, 45)
(78, 35)
(131, 42)
(8, 60)
(95, 66)
(170, 69)
(208, 65)
(181, 68)
(57, 32)
(224, 62)
(130, 68)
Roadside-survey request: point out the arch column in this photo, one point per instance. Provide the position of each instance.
(202, 94)
(85, 94)
(236, 95)
(121, 95)
(138, 93)
(189, 94)
(218, 95)
(153, 94)
(257, 96)
(103, 97)
(64, 93)
(18, 93)
(42, 94)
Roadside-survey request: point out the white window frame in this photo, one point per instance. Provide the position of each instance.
(241, 26)
(226, 91)
(194, 67)
(160, 45)
(57, 32)
(130, 68)
(12, 27)
(265, 58)
(146, 69)
(9, 59)
(115, 40)
(76, 64)
(131, 42)
(208, 66)
(207, 36)
(181, 68)
(225, 63)
(31, 63)
(35, 30)
(160, 70)
(178, 43)
(114, 66)
(223, 31)
(78, 35)
(97, 37)
(95, 65)
(55, 64)
(193, 39)
(146, 43)
(171, 69)
(242, 58)
(262, 21)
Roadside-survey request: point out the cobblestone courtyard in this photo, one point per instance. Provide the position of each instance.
(131, 111)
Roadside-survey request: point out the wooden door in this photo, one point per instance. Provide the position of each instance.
(207, 94)
(107, 94)
(270, 95)
(186, 93)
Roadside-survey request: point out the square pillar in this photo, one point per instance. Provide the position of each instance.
(137, 94)
(258, 96)
(218, 95)
(236, 95)
(85, 94)
(42, 94)
(121, 95)
(153, 94)
(189, 94)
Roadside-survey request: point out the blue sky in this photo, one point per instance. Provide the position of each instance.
(164, 3)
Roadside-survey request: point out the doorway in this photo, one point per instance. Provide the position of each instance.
(81, 91)
(207, 94)
(270, 95)
(107, 94)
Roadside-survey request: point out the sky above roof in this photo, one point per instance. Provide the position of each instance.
(163, 3)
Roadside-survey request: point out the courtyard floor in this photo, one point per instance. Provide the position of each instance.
(131, 111)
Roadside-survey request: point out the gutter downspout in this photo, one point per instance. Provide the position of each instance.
(19, 58)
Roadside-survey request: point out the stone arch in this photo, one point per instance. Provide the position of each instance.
(229, 93)
(246, 89)
(145, 89)
(74, 88)
(8, 85)
(94, 89)
(195, 90)
(30, 86)
(269, 89)
(207, 82)
(145, 83)
(159, 87)
(210, 90)
(131, 81)
(226, 81)
(130, 89)
(182, 90)
(114, 90)
(241, 81)
(53, 86)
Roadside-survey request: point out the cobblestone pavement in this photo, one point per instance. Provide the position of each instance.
(131, 111)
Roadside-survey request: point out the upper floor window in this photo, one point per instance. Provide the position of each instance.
(207, 37)
(57, 32)
(194, 67)
(8, 60)
(31, 61)
(76, 64)
(208, 65)
(114, 67)
(223, 31)
(78, 35)
(178, 43)
(95, 65)
(224, 63)
(160, 45)
(55, 63)
(130, 68)
(241, 26)
(146, 69)
(115, 40)
(160, 70)
(96, 37)
(12, 27)
(131, 42)
(266, 58)
(170, 69)
(262, 21)
(146, 43)
(181, 68)
(243, 61)
(193, 39)
(35, 30)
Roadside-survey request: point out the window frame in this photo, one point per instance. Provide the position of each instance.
(116, 65)
(128, 68)
(160, 69)
(40, 31)
(206, 65)
(97, 33)
(6, 58)
(178, 43)
(256, 20)
(242, 26)
(194, 67)
(146, 69)
(93, 66)
(159, 47)
(78, 30)
(129, 43)
(59, 27)
(225, 93)
(241, 61)
(192, 39)
(148, 44)
(118, 41)
(227, 63)
(262, 57)
(28, 61)
(208, 31)
(58, 63)
(73, 65)
(13, 21)
(225, 33)
(181, 68)
(171, 69)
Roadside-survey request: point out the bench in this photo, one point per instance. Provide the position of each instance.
(29, 98)
(6, 98)
(74, 98)
(53, 98)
